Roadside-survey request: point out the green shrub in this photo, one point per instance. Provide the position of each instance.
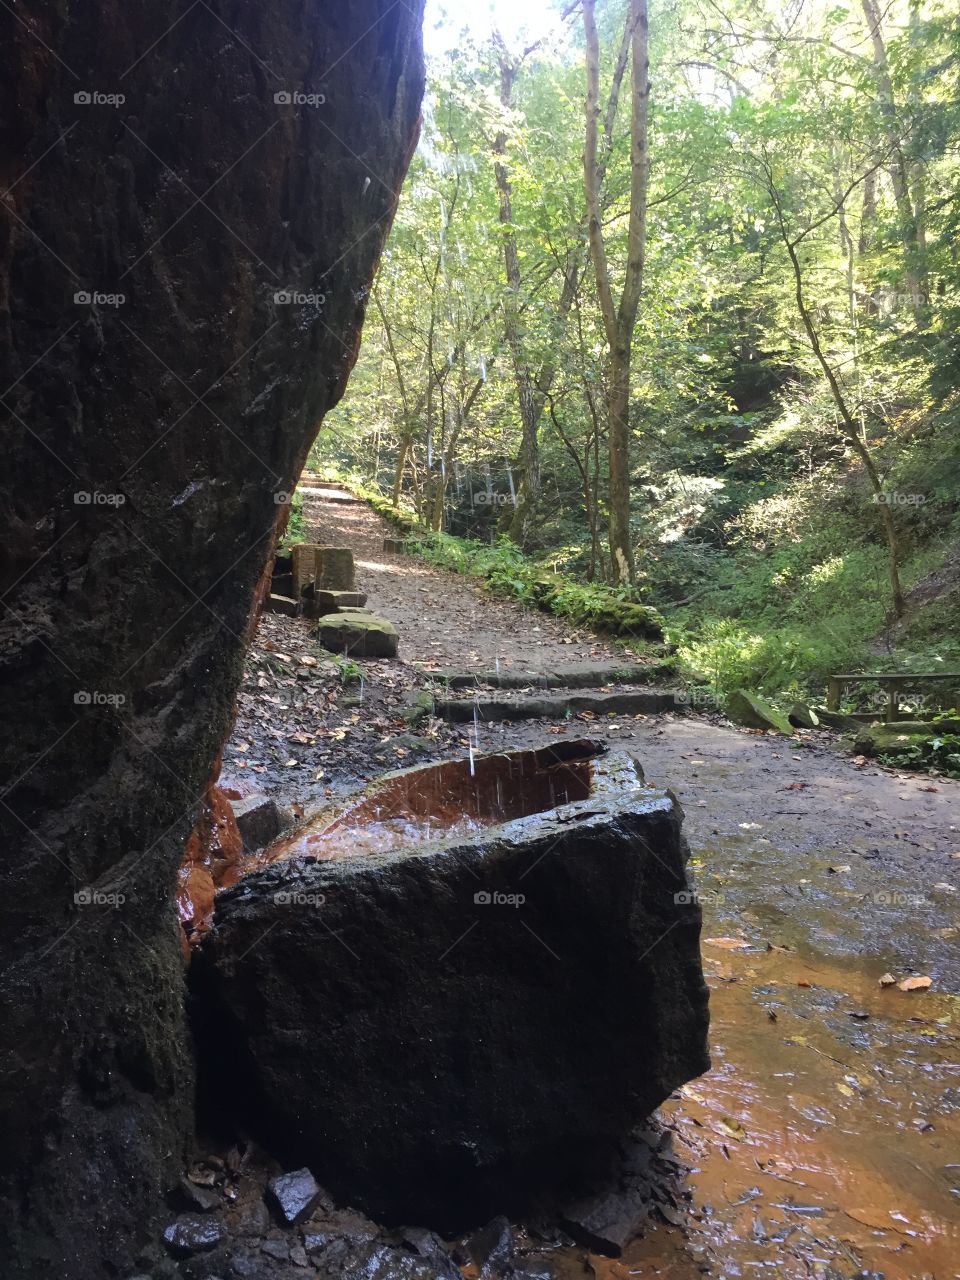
(296, 530)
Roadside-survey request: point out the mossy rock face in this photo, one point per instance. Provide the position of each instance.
(756, 713)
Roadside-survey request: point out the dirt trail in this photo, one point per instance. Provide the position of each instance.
(824, 1142)
(445, 619)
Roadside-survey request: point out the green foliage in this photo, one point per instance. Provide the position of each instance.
(348, 671)
(940, 754)
(296, 530)
(506, 570)
(754, 523)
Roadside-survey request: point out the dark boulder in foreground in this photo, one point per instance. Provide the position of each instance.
(464, 1022)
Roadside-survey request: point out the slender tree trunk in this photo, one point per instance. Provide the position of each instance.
(529, 479)
(914, 270)
(619, 320)
(853, 434)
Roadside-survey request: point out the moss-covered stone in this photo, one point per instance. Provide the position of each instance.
(756, 713)
(358, 634)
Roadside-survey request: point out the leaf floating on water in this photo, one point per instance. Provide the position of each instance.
(916, 984)
(732, 1128)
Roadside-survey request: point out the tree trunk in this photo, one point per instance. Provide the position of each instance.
(619, 320)
(914, 269)
(147, 443)
(853, 434)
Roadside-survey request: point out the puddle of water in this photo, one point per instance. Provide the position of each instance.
(821, 1143)
(449, 800)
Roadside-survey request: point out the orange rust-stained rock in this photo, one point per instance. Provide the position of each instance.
(211, 861)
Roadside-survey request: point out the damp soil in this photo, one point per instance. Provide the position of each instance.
(825, 1141)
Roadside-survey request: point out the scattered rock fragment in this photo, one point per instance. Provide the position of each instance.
(295, 1195)
(201, 1198)
(915, 984)
(489, 1249)
(190, 1234)
(282, 604)
(258, 819)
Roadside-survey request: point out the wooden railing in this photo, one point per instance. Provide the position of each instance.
(891, 682)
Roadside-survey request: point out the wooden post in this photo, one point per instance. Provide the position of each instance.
(893, 701)
(834, 689)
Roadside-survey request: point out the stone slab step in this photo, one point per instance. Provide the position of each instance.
(557, 706)
(593, 676)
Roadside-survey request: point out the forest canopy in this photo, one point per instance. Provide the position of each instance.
(671, 303)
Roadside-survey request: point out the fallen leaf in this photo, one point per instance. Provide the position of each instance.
(728, 944)
(916, 984)
(732, 1128)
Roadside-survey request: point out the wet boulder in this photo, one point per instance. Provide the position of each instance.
(461, 991)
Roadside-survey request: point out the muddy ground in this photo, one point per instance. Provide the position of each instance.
(826, 1139)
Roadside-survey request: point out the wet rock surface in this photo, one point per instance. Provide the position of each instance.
(258, 820)
(295, 1194)
(447, 1030)
(333, 1241)
(157, 400)
(190, 1234)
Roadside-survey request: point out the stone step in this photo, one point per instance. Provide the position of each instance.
(557, 706)
(593, 676)
(326, 493)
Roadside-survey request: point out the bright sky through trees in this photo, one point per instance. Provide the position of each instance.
(445, 19)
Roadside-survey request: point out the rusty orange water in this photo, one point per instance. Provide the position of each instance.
(449, 800)
(822, 1144)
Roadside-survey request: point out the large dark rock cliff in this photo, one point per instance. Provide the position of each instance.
(194, 198)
